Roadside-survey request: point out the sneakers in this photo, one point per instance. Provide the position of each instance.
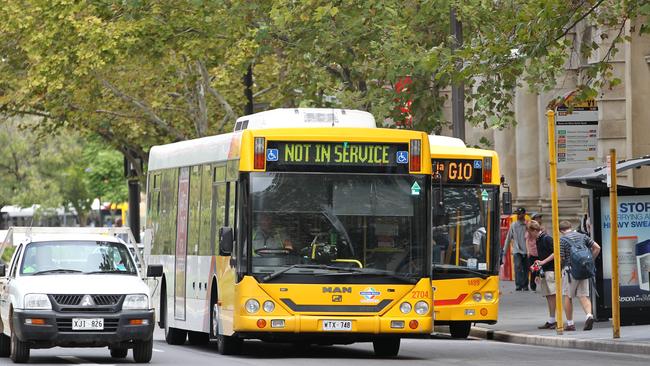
(547, 325)
(589, 323)
(570, 328)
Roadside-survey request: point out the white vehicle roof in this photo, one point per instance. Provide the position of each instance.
(193, 152)
(306, 117)
(437, 140)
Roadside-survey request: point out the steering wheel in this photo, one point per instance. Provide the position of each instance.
(268, 252)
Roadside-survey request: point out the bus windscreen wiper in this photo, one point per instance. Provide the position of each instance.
(58, 270)
(370, 271)
(307, 266)
(462, 269)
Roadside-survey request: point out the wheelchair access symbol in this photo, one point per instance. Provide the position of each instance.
(402, 157)
(271, 154)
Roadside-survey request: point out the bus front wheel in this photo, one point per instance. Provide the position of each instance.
(460, 329)
(386, 347)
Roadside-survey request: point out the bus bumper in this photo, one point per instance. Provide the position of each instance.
(314, 324)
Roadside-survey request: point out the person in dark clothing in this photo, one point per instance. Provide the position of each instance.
(517, 234)
(544, 244)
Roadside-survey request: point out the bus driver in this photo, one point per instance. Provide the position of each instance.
(266, 236)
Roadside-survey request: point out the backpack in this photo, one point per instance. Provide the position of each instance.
(581, 261)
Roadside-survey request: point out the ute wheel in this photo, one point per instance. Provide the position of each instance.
(386, 347)
(142, 351)
(19, 349)
(460, 329)
(119, 352)
(173, 336)
(5, 345)
(198, 338)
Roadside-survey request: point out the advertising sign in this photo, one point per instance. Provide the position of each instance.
(633, 250)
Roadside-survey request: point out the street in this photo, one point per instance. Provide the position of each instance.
(438, 351)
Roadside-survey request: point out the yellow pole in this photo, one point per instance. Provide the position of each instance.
(613, 237)
(555, 219)
(487, 239)
(457, 236)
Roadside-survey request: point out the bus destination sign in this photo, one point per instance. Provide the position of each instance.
(457, 171)
(336, 156)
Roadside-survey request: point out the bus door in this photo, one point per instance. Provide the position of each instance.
(181, 244)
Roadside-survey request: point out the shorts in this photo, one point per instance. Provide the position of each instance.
(547, 283)
(574, 288)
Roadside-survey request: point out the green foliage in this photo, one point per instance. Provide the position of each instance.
(56, 170)
(144, 72)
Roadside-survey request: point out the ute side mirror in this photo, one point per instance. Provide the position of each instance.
(154, 270)
(506, 203)
(3, 270)
(226, 239)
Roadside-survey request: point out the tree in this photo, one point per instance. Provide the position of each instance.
(144, 72)
(61, 170)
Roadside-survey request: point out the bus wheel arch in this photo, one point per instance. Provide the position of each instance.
(214, 310)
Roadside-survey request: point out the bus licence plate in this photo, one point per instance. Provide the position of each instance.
(87, 324)
(337, 325)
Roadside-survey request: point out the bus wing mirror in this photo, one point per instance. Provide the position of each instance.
(506, 203)
(154, 270)
(3, 270)
(225, 241)
(437, 199)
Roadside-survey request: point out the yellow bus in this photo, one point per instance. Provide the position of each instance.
(465, 234)
(307, 226)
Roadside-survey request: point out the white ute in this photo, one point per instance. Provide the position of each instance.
(74, 287)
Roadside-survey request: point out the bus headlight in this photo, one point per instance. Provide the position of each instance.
(268, 306)
(405, 308)
(421, 307)
(476, 296)
(252, 306)
(488, 296)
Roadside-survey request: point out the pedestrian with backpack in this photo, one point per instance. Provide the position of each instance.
(577, 253)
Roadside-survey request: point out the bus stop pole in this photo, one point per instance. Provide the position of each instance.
(613, 237)
(555, 219)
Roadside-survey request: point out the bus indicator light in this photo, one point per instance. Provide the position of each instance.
(487, 170)
(413, 324)
(414, 154)
(261, 323)
(484, 311)
(259, 156)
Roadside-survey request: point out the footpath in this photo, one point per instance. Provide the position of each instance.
(521, 312)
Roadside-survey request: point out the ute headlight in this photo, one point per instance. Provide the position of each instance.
(476, 296)
(421, 307)
(268, 306)
(136, 302)
(252, 306)
(488, 296)
(405, 308)
(37, 302)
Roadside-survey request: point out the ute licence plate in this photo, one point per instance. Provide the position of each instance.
(337, 325)
(87, 324)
